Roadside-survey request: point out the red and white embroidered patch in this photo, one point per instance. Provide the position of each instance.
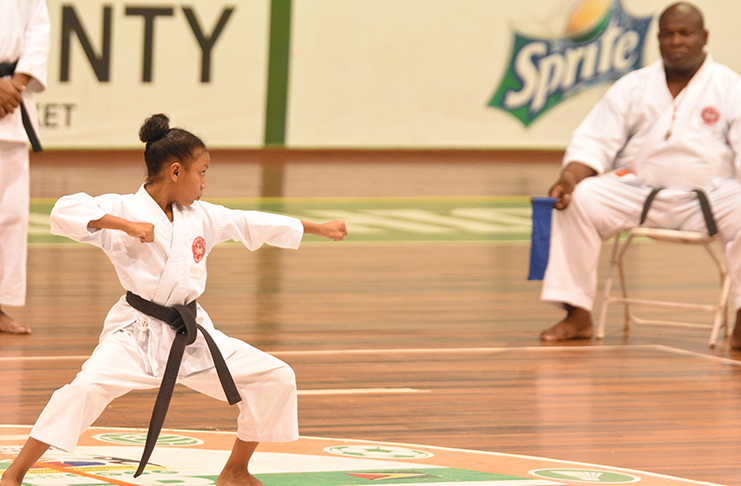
(199, 249)
(710, 115)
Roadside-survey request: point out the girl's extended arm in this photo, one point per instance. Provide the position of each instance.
(143, 231)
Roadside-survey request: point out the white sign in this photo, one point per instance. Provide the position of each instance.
(113, 63)
(368, 74)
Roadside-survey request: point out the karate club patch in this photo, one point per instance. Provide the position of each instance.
(710, 115)
(199, 249)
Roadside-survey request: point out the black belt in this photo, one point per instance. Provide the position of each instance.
(707, 213)
(182, 318)
(7, 69)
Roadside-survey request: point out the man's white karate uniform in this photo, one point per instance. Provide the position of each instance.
(24, 37)
(134, 347)
(637, 138)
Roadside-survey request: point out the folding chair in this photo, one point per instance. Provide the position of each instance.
(719, 310)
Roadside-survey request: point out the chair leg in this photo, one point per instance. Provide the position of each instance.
(721, 314)
(727, 320)
(624, 286)
(608, 289)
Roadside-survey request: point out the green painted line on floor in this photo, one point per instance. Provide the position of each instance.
(440, 219)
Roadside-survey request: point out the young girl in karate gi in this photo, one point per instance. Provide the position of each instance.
(158, 240)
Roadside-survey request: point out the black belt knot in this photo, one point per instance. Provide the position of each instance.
(181, 318)
(8, 69)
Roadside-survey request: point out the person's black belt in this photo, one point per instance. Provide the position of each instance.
(182, 318)
(707, 213)
(7, 69)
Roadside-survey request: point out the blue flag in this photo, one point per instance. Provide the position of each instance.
(541, 238)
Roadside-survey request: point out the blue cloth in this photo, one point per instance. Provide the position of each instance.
(541, 238)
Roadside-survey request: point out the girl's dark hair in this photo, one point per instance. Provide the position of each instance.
(165, 144)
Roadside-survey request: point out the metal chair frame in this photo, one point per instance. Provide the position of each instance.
(720, 310)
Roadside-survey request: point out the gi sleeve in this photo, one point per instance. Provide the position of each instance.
(255, 228)
(33, 60)
(605, 130)
(71, 215)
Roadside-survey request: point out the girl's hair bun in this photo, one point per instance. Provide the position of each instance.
(154, 128)
(165, 145)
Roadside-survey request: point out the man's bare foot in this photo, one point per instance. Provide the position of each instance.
(735, 339)
(7, 324)
(576, 325)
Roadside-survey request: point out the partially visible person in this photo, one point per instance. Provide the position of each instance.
(158, 240)
(24, 50)
(674, 125)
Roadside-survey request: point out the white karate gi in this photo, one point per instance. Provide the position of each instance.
(134, 347)
(649, 139)
(24, 37)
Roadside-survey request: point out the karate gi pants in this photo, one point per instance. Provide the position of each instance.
(605, 205)
(268, 410)
(14, 200)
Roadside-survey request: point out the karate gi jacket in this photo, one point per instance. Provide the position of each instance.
(689, 142)
(172, 269)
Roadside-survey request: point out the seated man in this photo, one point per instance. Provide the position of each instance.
(676, 125)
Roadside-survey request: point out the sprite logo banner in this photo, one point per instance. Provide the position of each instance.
(601, 43)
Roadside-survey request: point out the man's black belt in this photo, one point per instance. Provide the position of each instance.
(182, 318)
(707, 212)
(7, 69)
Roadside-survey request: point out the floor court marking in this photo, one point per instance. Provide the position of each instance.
(360, 391)
(194, 458)
(397, 220)
(75, 472)
(418, 351)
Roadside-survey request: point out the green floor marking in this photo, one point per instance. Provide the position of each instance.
(453, 219)
(383, 476)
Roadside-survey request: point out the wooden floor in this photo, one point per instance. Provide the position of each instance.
(444, 337)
